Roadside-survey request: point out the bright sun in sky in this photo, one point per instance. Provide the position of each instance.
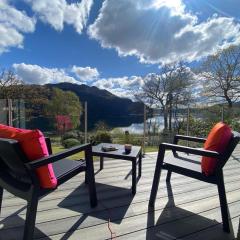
(170, 3)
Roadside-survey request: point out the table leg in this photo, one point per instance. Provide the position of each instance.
(140, 165)
(86, 178)
(134, 176)
(101, 163)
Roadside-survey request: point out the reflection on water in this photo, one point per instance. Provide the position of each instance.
(155, 124)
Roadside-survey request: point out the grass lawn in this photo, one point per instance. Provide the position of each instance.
(59, 148)
(151, 149)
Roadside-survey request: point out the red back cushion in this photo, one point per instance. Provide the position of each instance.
(34, 146)
(217, 140)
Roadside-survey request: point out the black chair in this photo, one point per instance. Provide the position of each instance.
(18, 176)
(183, 160)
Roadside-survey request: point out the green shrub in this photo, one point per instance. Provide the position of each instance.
(73, 135)
(101, 126)
(234, 124)
(70, 142)
(197, 127)
(102, 136)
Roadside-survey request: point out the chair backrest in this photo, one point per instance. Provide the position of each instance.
(229, 150)
(12, 161)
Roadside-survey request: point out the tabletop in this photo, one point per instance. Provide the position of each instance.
(119, 153)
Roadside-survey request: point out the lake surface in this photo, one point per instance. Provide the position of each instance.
(155, 123)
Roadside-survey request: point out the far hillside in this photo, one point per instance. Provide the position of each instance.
(104, 106)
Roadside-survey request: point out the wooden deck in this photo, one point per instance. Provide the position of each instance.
(188, 209)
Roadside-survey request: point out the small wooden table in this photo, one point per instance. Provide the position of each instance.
(135, 156)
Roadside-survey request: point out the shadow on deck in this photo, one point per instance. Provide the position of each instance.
(185, 209)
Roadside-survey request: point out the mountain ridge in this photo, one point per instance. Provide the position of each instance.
(104, 106)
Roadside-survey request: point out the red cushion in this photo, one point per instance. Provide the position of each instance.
(9, 132)
(34, 146)
(217, 140)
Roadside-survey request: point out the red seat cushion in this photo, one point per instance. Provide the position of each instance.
(217, 140)
(34, 146)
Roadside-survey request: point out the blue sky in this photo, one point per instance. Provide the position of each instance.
(111, 44)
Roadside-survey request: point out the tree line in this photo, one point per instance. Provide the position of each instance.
(42, 101)
(175, 85)
(218, 75)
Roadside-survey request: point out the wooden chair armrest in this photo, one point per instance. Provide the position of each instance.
(188, 138)
(58, 156)
(195, 151)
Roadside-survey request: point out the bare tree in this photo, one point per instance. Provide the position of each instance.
(167, 89)
(221, 73)
(10, 85)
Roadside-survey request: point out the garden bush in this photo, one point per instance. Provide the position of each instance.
(70, 142)
(73, 135)
(101, 136)
(197, 127)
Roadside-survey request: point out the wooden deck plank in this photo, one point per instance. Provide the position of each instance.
(124, 170)
(76, 210)
(147, 176)
(166, 209)
(176, 222)
(112, 193)
(216, 199)
(107, 190)
(66, 214)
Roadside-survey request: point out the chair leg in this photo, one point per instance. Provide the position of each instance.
(30, 218)
(223, 204)
(1, 198)
(86, 177)
(156, 179)
(92, 188)
(169, 174)
(90, 178)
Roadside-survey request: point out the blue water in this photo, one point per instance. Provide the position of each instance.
(137, 128)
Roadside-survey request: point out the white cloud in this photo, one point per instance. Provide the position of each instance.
(13, 23)
(121, 86)
(160, 31)
(104, 84)
(120, 82)
(85, 73)
(58, 12)
(77, 14)
(123, 93)
(34, 74)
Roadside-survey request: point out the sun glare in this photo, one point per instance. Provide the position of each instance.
(177, 4)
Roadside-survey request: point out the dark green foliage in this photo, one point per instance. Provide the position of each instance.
(70, 142)
(73, 135)
(234, 124)
(102, 136)
(64, 103)
(127, 137)
(136, 141)
(120, 137)
(201, 127)
(131, 139)
(11, 87)
(68, 135)
(104, 106)
(197, 127)
(101, 126)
